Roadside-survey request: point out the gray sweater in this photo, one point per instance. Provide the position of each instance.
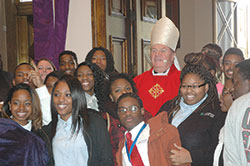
(237, 130)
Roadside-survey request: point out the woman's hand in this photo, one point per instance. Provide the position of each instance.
(180, 156)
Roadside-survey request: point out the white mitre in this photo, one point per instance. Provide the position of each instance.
(166, 33)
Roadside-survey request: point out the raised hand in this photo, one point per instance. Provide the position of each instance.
(34, 76)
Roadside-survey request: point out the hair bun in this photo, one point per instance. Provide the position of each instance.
(193, 58)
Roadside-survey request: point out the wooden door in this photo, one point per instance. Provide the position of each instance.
(124, 27)
(118, 33)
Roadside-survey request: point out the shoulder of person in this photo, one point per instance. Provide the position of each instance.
(95, 117)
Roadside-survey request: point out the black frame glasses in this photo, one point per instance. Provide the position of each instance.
(193, 86)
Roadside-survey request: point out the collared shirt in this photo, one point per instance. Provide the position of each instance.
(69, 149)
(185, 111)
(91, 101)
(28, 126)
(142, 145)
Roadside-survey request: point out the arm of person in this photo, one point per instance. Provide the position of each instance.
(44, 97)
(178, 155)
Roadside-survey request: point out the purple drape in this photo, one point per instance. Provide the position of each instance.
(49, 35)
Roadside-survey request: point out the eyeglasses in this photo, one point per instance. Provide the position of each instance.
(192, 86)
(132, 108)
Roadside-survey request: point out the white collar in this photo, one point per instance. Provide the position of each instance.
(135, 130)
(28, 126)
(160, 74)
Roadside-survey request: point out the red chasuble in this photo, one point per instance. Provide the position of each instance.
(156, 90)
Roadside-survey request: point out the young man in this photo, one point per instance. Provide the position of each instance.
(232, 57)
(161, 83)
(68, 62)
(146, 143)
(26, 73)
(236, 138)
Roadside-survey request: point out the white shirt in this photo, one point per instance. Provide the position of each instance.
(142, 145)
(91, 101)
(28, 126)
(44, 97)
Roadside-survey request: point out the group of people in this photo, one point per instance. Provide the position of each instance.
(89, 114)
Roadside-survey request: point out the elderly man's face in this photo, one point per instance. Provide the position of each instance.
(162, 57)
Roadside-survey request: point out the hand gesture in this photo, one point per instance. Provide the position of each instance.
(180, 156)
(34, 76)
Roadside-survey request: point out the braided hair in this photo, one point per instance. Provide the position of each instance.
(193, 66)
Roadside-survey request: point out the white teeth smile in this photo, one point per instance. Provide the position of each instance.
(21, 114)
(61, 106)
(190, 97)
(85, 83)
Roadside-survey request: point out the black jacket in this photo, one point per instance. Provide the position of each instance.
(42, 134)
(199, 132)
(97, 140)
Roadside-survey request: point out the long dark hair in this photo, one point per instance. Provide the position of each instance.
(99, 82)
(36, 115)
(109, 57)
(79, 105)
(193, 66)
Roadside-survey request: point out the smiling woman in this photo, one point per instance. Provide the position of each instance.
(23, 107)
(196, 114)
(92, 80)
(81, 129)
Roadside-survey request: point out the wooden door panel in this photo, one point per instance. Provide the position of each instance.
(118, 47)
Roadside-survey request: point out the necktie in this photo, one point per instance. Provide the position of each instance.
(135, 157)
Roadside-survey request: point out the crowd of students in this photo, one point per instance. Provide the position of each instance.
(89, 114)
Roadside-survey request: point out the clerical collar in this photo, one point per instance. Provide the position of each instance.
(160, 74)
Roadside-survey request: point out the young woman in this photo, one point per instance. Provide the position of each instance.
(23, 106)
(196, 114)
(103, 58)
(45, 66)
(92, 81)
(119, 84)
(78, 135)
(51, 79)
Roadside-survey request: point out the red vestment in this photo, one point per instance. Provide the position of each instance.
(156, 90)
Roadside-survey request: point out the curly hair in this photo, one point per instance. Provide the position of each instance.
(244, 69)
(99, 82)
(115, 77)
(109, 57)
(36, 115)
(196, 68)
